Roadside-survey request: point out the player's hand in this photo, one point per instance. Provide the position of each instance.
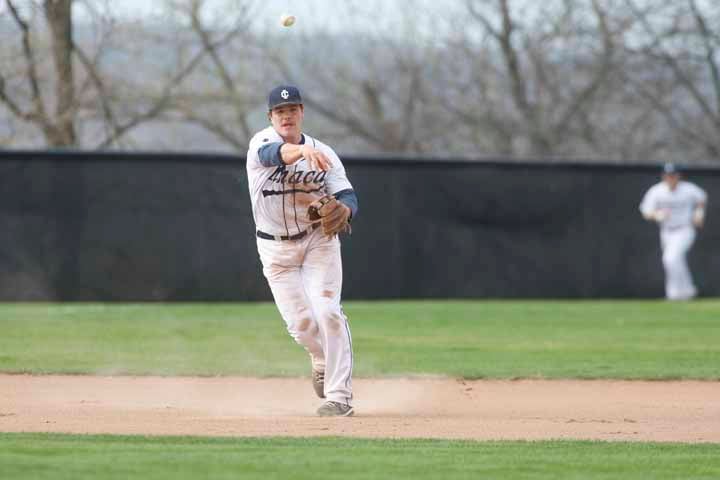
(661, 215)
(316, 159)
(699, 217)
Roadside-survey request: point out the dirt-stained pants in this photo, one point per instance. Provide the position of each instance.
(305, 277)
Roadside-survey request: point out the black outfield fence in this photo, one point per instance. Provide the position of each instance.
(115, 226)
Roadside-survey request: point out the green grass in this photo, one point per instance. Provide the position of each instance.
(57, 457)
(506, 339)
(472, 339)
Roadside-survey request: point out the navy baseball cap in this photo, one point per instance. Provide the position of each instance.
(284, 95)
(670, 169)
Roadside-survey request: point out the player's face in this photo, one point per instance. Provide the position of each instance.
(287, 121)
(671, 179)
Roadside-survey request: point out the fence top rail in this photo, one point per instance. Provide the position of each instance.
(497, 161)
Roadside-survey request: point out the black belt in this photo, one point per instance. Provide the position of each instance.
(297, 236)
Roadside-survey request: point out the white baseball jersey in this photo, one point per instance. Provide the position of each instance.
(280, 195)
(679, 203)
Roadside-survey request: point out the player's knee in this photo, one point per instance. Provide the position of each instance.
(329, 314)
(303, 332)
(671, 259)
(304, 324)
(335, 324)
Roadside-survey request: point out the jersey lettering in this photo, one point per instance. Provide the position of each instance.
(279, 175)
(282, 175)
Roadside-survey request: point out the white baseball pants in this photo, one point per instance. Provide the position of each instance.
(675, 246)
(305, 277)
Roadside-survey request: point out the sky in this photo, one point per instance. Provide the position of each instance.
(271, 9)
(332, 15)
(416, 19)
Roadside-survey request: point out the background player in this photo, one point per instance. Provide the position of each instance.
(287, 171)
(679, 208)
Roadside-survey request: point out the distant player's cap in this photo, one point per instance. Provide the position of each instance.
(284, 95)
(670, 169)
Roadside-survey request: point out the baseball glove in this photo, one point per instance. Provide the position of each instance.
(333, 215)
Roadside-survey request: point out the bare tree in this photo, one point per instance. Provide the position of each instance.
(80, 90)
(624, 79)
(355, 102)
(370, 86)
(676, 49)
(536, 79)
(220, 95)
(57, 125)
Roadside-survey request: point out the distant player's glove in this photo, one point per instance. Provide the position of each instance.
(333, 215)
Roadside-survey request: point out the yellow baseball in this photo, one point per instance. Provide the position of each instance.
(287, 20)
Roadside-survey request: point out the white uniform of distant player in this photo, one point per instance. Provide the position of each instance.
(679, 208)
(302, 265)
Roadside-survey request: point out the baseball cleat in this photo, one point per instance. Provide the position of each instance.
(318, 381)
(335, 409)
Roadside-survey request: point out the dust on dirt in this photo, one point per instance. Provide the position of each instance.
(677, 411)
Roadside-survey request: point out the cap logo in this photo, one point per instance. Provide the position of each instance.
(285, 94)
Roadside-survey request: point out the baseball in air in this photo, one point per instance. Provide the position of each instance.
(287, 20)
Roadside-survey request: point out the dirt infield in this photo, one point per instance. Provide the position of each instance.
(390, 408)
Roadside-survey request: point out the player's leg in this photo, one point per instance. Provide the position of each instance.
(668, 253)
(678, 280)
(281, 267)
(322, 274)
(686, 285)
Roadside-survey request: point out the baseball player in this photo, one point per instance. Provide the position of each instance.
(679, 208)
(301, 200)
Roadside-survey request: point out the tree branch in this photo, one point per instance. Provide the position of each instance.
(160, 104)
(103, 95)
(598, 80)
(12, 106)
(656, 50)
(710, 52)
(676, 124)
(216, 128)
(212, 49)
(39, 114)
(489, 27)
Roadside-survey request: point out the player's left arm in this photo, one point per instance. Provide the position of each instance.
(700, 202)
(699, 210)
(349, 199)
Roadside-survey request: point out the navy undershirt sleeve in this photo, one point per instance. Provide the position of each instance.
(349, 198)
(270, 155)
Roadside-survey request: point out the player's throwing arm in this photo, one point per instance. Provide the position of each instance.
(316, 159)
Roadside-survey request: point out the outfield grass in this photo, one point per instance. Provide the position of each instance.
(57, 457)
(472, 339)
